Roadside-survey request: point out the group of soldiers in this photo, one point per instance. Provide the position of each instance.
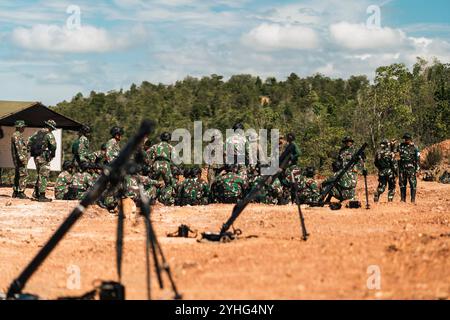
(163, 181)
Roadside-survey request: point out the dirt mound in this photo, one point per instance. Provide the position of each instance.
(443, 146)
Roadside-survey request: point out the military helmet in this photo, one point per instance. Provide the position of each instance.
(238, 126)
(290, 136)
(51, 124)
(384, 142)
(310, 172)
(165, 136)
(85, 129)
(407, 136)
(115, 131)
(347, 139)
(67, 165)
(103, 147)
(20, 124)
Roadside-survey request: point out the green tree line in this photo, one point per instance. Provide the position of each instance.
(317, 109)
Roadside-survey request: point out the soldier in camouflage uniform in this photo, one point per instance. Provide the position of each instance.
(150, 186)
(167, 195)
(161, 157)
(193, 190)
(345, 189)
(230, 187)
(63, 181)
(113, 144)
(349, 181)
(80, 183)
(42, 146)
(295, 149)
(307, 187)
(99, 156)
(215, 167)
(237, 150)
(19, 153)
(80, 148)
(387, 169)
(408, 167)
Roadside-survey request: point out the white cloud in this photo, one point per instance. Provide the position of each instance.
(277, 37)
(359, 37)
(55, 38)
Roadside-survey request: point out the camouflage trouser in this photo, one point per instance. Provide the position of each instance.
(162, 170)
(390, 182)
(343, 194)
(166, 196)
(406, 176)
(60, 194)
(75, 193)
(20, 179)
(43, 173)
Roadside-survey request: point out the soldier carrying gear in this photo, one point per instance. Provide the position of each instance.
(408, 167)
(43, 147)
(20, 158)
(387, 169)
(350, 179)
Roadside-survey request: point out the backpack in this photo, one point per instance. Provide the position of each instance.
(37, 144)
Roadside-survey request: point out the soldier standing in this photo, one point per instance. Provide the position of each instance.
(350, 178)
(387, 170)
(42, 147)
(113, 144)
(20, 158)
(408, 167)
(295, 149)
(80, 148)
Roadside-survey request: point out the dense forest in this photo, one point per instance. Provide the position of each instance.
(318, 109)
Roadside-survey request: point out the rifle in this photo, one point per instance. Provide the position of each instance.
(326, 191)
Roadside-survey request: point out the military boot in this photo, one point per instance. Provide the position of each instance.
(413, 195)
(21, 195)
(42, 198)
(376, 197)
(403, 194)
(14, 195)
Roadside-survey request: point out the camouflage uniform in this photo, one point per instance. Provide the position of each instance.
(20, 158)
(42, 161)
(80, 150)
(229, 188)
(308, 190)
(161, 155)
(80, 183)
(62, 184)
(112, 150)
(239, 145)
(132, 187)
(408, 167)
(194, 192)
(387, 169)
(350, 178)
(344, 190)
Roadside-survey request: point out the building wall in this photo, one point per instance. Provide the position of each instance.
(5, 149)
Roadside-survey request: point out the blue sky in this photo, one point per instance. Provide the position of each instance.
(120, 42)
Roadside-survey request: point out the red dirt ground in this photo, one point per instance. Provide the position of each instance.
(409, 243)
